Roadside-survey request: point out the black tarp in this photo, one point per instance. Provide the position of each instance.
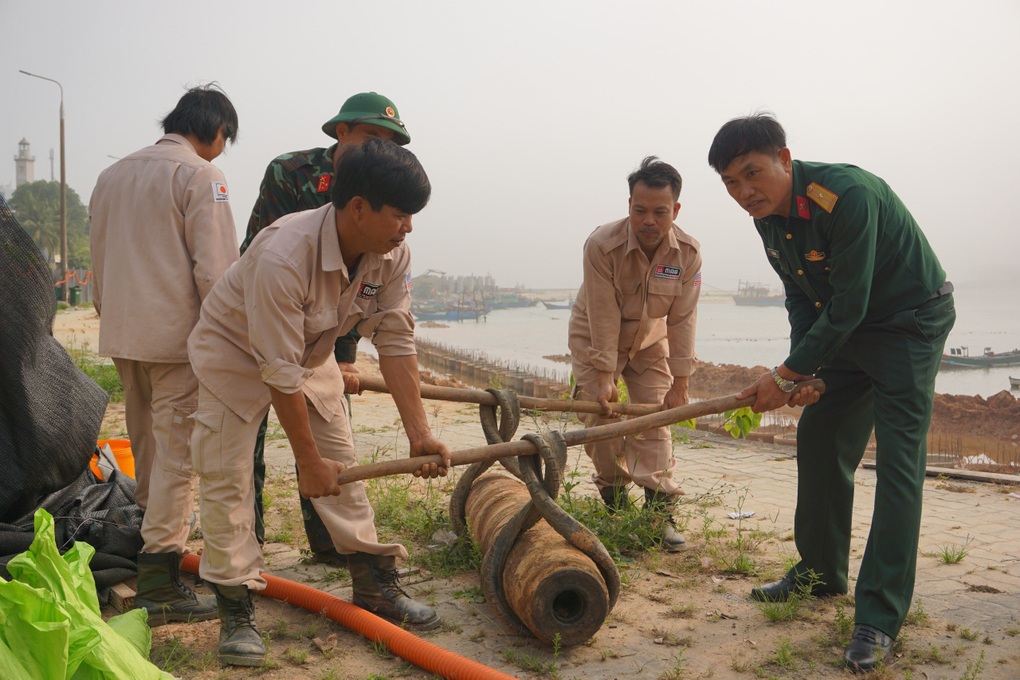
(50, 416)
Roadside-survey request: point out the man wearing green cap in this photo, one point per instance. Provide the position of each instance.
(303, 180)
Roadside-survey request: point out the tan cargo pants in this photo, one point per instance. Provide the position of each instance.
(645, 458)
(221, 446)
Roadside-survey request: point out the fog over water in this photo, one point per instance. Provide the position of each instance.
(746, 336)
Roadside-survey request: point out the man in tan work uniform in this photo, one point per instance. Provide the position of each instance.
(266, 337)
(634, 318)
(161, 235)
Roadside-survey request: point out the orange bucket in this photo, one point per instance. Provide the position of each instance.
(121, 449)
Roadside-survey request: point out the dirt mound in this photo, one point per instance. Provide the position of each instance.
(713, 380)
(998, 416)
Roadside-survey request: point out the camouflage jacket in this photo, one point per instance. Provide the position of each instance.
(300, 180)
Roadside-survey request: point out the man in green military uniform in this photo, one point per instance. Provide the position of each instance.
(303, 180)
(869, 310)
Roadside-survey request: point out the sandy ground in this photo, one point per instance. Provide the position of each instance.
(679, 615)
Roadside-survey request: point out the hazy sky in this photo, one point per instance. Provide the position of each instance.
(528, 115)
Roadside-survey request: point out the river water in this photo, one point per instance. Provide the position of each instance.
(746, 336)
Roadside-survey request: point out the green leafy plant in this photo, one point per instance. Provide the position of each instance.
(953, 553)
(740, 422)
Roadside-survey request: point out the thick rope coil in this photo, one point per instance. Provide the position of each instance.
(509, 419)
(543, 476)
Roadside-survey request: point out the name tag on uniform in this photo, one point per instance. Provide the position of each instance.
(367, 291)
(773, 253)
(665, 271)
(220, 193)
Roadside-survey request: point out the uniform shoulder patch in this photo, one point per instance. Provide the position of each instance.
(825, 199)
(220, 193)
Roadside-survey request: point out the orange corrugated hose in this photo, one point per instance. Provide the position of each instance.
(409, 647)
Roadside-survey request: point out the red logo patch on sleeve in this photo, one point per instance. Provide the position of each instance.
(323, 184)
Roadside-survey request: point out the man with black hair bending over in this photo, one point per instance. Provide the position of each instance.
(265, 337)
(634, 319)
(870, 310)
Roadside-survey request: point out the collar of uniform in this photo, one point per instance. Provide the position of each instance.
(670, 242)
(800, 207)
(174, 138)
(332, 257)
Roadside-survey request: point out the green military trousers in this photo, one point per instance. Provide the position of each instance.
(883, 379)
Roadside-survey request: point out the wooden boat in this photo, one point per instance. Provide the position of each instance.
(558, 304)
(757, 295)
(1014, 383)
(959, 357)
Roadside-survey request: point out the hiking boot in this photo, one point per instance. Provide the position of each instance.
(163, 596)
(615, 498)
(376, 590)
(662, 503)
(240, 641)
(329, 557)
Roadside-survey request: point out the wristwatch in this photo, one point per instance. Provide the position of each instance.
(783, 384)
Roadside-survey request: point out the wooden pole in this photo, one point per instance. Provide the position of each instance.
(473, 396)
(599, 433)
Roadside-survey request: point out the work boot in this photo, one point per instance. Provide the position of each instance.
(376, 590)
(163, 596)
(329, 557)
(616, 498)
(662, 504)
(240, 641)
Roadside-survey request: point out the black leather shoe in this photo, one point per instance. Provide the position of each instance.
(867, 648)
(778, 591)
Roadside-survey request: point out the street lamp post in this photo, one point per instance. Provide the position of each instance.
(63, 190)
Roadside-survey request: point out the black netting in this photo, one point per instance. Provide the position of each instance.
(50, 412)
(50, 415)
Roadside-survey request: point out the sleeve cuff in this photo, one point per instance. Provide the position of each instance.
(680, 367)
(284, 376)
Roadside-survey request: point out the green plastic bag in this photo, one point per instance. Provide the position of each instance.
(50, 622)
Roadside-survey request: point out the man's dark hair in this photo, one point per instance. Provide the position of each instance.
(760, 133)
(656, 174)
(202, 111)
(383, 173)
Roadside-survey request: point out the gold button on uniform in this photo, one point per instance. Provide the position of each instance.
(800, 272)
(818, 304)
(789, 236)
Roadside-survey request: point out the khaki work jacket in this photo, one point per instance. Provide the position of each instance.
(161, 235)
(630, 309)
(273, 318)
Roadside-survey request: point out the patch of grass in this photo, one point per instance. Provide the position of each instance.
(104, 374)
(844, 626)
(473, 594)
(917, 616)
(790, 609)
(1013, 631)
(968, 634)
(974, 668)
(677, 671)
(298, 657)
(952, 553)
(530, 662)
(173, 656)
(282, 509)
(783, 656)
(683, 611)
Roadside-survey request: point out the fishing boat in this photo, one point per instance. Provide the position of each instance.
(757, 295)
(558, 304)
(1014, 383)
(959, 357)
